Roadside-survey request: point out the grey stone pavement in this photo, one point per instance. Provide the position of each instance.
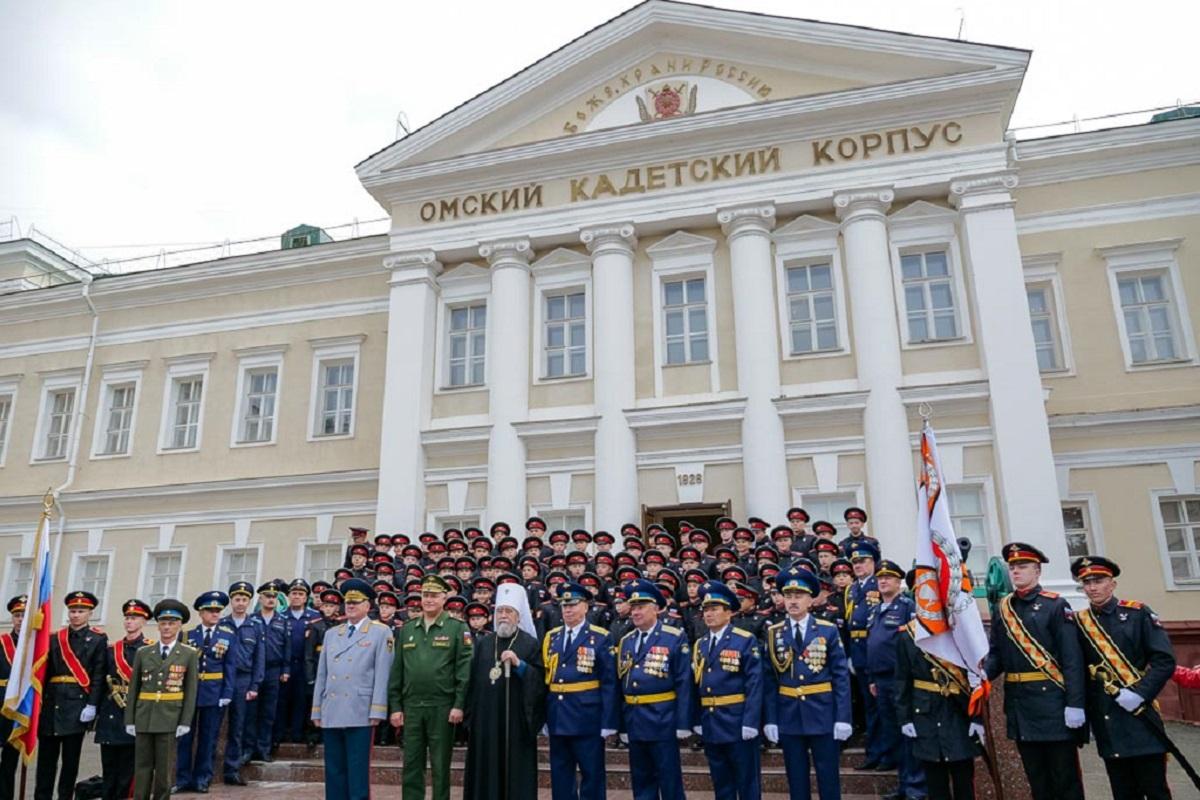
(1095, 778)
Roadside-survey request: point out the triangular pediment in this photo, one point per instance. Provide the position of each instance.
(681, 243)
(805, 227)
(663, 59)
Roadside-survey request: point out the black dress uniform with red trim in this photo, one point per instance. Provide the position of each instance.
(116, 746)
(1140, 660)
(9, 755)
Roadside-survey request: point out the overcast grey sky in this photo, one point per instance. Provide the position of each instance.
(140, 122)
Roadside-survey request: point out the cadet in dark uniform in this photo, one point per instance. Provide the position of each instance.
(859, 598)
(295, 700)
(581, 709)
(277, 660)
(116, 746)
(213, 643)
(73, 689)
(855, 519)
(728, 672)
(331, 606)
(807, 690)
(9, 755)
(1129, 660)
(653, 668)
(884, 628)
(246, 660)
(162, 700)
(1035, 645)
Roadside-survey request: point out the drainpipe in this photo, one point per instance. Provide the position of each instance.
(76, 419)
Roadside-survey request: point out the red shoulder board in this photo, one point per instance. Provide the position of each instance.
(1130, 604)
(98, 630)
(1051, 595)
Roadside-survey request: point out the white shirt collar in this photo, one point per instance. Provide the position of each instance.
(170, 647)
(578, 629)
(717, 636)
(803, 623)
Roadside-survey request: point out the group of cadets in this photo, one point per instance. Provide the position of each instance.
(748, 638)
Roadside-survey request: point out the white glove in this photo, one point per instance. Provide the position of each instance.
(624, 738)
(698, 730)
(604, 732)
(182, 730)
(1073, 717)
(224, 701)
(1129, 700)
(850, 664)
(132, 731)
(772, 733)
(975, 729)
(682, 734)
(842, 731)
(545, 731)
(749, 733)
(909, 730)
(88, 714)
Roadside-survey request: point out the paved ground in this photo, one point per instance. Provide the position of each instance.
(1095, 779)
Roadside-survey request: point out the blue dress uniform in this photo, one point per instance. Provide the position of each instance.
(277, 660)
(861, 596)
(582, 703)
(807, 694)
(656, 689)
(214, 691)
(295, 698)
(884, 627)
(247, 661)
(728, 671)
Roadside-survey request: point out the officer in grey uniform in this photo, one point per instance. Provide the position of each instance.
(350, 693)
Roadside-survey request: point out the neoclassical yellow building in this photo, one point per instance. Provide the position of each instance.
(695, 261)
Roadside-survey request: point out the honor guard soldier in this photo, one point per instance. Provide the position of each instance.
(884, 628)
(653, 668)
(581, 709)
(215, 682)
(728, 672)
(247, 660)
(1129, 660)
(807, 691)
(932, 707)
(295, 700)
(427, 690)
(277, 659)
(1035, 645)
(10, 756)
(161, 701)
(74, 687)
(116, 746)
(350, 693)
(860, 597)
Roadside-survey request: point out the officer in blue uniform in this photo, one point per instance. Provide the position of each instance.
(653, 669)
(807, 690)
(860, 597)
(295, 698)
(884, 627)
(728, 671)
(246, 659)
(214, 691)
(277, 660)
(581, 709)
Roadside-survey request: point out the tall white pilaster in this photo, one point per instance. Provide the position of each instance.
(764, 464)
(1028, 492)
(508, 378)
(891, 485)
(408, 387)
(616, 490)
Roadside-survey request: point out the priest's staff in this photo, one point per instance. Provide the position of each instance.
(507, 729)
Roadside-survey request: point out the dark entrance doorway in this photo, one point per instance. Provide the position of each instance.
(700, 515)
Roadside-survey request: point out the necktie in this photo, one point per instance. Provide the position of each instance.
(351, 629)
(712, 646)
(207, 637)
(641, 642)
(166, 650)
(570, 639)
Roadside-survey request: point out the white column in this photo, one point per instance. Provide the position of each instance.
(508, 378)
(616, 490)
(407, 390)
(1028, 488)
(891, 485)
(764, 464)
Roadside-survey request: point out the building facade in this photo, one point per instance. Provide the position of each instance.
(694, 262)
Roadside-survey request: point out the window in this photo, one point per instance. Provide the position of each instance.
(466, 345)
(446, 523)
(20, 576)
(929, 296)
(118, 419)
(811, 315)
(258, 414)
(566, 520)
(1149, 317)
(1042, 316)
(58, 423)
(186, 395)
(321, 561)
(564, 334)
(1181, 528)
(239, 565)
(830, 507)
(163, 569)
(337, 397)
(91, 575)
(6, 402)
(969, 515)
(685, 318)
(1078, 530)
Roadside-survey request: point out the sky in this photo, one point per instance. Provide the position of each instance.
(127, 126)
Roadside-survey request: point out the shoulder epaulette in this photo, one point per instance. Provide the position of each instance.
(631, 632)
(824, 622)
(776, 626)
(96, 629)
(1130, 604)
(185, 646)
(147, 642)
(598, 629)
(740, 632)
(671, 629)
(1051, 595)
(553, 631)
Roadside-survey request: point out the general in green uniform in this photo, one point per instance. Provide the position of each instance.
(427, 689)
(161, 702)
